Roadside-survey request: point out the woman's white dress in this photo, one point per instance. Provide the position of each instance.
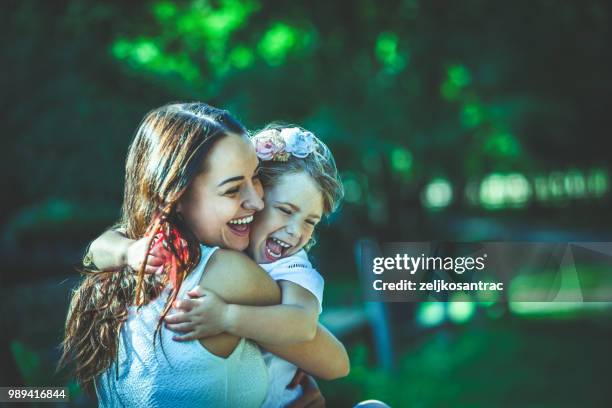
(179, 374)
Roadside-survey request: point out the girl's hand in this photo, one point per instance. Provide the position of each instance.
(204, 315)
(297, 378)
(135, 254)
(311, 395)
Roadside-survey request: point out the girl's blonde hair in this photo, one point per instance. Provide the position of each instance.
(319, 164)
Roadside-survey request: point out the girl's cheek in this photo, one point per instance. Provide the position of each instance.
(308, 235)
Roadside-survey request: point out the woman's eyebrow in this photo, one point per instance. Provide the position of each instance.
(229, 180)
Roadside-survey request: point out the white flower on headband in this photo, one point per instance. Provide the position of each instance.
(276, 145)
(299, 143)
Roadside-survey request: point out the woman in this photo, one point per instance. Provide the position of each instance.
(190, 179)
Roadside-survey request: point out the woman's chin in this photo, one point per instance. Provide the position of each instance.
(233, 241)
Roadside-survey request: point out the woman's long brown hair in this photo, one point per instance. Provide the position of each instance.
(168, 151)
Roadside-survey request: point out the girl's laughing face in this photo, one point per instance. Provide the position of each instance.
(293, 207)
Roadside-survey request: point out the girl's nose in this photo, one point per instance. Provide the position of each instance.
(293, 229)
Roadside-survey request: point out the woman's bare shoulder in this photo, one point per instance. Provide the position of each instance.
(233, 265)
(238, 279)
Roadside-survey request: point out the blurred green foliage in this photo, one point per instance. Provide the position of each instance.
(406, 92)
(509, 364)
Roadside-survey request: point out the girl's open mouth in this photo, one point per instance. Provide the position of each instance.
(275, 248)
(241, 226)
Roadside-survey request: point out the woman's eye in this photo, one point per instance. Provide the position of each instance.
(313, 223)
(232, 191)
(286, 211)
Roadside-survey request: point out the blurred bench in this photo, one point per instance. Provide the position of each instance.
(372, 320)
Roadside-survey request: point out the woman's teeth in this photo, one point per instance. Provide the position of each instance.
(239, 221)
(241, 226)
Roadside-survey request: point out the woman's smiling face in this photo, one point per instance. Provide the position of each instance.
(293, 207)
(220, 203)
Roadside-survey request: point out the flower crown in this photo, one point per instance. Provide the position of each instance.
(278, 145)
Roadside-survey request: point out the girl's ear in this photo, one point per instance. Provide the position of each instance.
(179, 206)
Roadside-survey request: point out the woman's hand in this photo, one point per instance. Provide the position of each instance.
(204, 315)
(135, 255)
(311, 395)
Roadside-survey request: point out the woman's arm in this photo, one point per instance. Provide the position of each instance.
(236, 279)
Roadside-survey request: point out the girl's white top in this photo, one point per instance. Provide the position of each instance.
(183, 374)
(297, 269)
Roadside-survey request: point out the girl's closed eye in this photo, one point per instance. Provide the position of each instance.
(285, 210)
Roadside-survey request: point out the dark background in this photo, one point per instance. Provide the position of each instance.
(449, 120)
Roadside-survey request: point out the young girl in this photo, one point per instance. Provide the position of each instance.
(301, 186)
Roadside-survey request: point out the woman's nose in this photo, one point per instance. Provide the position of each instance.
(253, 199)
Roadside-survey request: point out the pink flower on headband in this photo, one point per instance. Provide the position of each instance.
(268, 144)
(279, 145)
(298, 142)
